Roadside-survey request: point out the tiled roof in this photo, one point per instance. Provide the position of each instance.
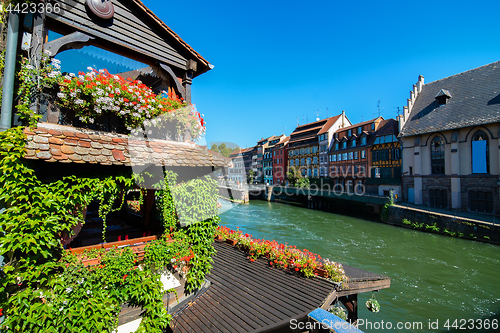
(329, 123)
(475, 101)
(65, 144)
(386, 127)
(358, 124)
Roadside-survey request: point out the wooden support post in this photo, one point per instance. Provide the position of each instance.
(149, 200)
(35, 54)
(351, 304)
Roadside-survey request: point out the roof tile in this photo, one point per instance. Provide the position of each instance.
(82, 146)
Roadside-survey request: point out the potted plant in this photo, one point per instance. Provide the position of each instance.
(373, 305)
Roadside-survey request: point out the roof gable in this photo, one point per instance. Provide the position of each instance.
(475, 101)
(134, 28)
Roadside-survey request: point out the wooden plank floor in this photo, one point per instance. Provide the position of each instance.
(250, 296)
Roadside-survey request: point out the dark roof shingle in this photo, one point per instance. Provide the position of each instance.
(475, 101)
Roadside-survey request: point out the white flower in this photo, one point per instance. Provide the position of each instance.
(91, 120)
(29, 67)
(150, 132)
(81, 118)
(67, 77)
(101, 71)
(57, 66)
(90, 68)
(80, 281)
(47, 52)
(68, 290)
(72, 94)
(65, 302)
(89, 292)
(72, 74)
(61, 95)
(81, 77)
(55, 61)
(62, 308)
(173, 260)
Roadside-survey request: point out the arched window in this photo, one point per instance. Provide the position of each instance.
(437, 155)
(480, 153)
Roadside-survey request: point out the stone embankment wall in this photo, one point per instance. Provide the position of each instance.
(442, 224)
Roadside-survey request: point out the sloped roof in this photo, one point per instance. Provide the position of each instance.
(359, 124)
(66, 144)
(172, 33)
(386, 127)
(249, 296)
(331, 121)
(475, 101)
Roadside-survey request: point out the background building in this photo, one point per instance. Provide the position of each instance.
(386, 161)
(325, 137)
(280, 161)
(350, 159)
(451, 139)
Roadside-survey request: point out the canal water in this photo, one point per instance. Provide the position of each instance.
(434, 277)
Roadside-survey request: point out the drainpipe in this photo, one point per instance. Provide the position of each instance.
(9, 71)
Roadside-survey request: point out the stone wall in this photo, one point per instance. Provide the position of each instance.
(457, 226)
(435, 183)
(487, 184)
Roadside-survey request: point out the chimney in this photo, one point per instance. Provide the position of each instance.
(343, 118)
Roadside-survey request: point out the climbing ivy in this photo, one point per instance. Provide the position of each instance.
(56, 293)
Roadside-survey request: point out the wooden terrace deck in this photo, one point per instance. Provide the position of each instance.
(249, 296)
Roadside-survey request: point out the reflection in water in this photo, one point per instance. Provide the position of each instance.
(433, 276)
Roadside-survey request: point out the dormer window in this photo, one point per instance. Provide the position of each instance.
(363, 140)
(344, 144)
(443, 96)
(349, 133)
(360, 129)
(337, 146)
(373, 126)
(353, 143)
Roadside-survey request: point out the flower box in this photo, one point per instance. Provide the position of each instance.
(321, 272)
(219, 238)
(91, 262)
(231, 242)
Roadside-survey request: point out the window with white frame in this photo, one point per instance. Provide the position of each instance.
(363, 154)
(355, 155)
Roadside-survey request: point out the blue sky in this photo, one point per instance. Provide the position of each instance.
(279, 60)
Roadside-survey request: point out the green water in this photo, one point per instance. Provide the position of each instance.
(434, 277)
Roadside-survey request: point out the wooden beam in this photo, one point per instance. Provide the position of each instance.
(75, 40)
(329, 300)
(178, 86)
(351, 304)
